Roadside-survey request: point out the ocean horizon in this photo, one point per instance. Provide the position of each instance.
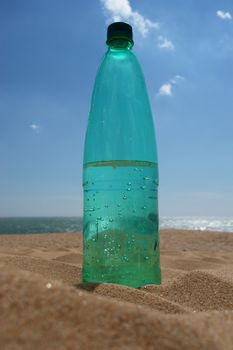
(30, 225)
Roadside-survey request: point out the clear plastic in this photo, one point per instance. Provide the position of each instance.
(120, 176)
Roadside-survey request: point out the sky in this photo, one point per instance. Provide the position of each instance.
(49, 55)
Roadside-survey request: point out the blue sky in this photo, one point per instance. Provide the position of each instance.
(49, 55)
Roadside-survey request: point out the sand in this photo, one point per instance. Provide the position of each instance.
(44, 305)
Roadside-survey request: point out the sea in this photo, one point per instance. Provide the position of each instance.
(51, 225)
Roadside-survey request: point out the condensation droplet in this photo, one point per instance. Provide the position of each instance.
(142, 187)
(124, 197)
(129, 184)
(90, 209)
(128, 189)
(110, 220)
(144, 207)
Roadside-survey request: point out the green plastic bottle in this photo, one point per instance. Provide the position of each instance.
(120, 172)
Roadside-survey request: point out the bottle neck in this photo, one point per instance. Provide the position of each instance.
(120, 44)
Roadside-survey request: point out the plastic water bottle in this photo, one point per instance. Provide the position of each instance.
(120, 172)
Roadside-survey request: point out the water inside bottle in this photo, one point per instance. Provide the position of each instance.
(121, 223)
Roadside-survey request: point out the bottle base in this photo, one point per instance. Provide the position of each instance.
(133, 280)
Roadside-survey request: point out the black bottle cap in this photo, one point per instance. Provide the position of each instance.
(119, 30)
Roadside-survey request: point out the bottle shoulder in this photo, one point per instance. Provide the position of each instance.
(120, 69)
(119, 60)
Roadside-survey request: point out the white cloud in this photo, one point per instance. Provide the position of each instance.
(35, 127)
(224, 15)
(166, 89)
(119, 10)
(164, 43)
(178, 77)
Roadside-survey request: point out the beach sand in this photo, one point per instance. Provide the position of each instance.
(44, 305)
